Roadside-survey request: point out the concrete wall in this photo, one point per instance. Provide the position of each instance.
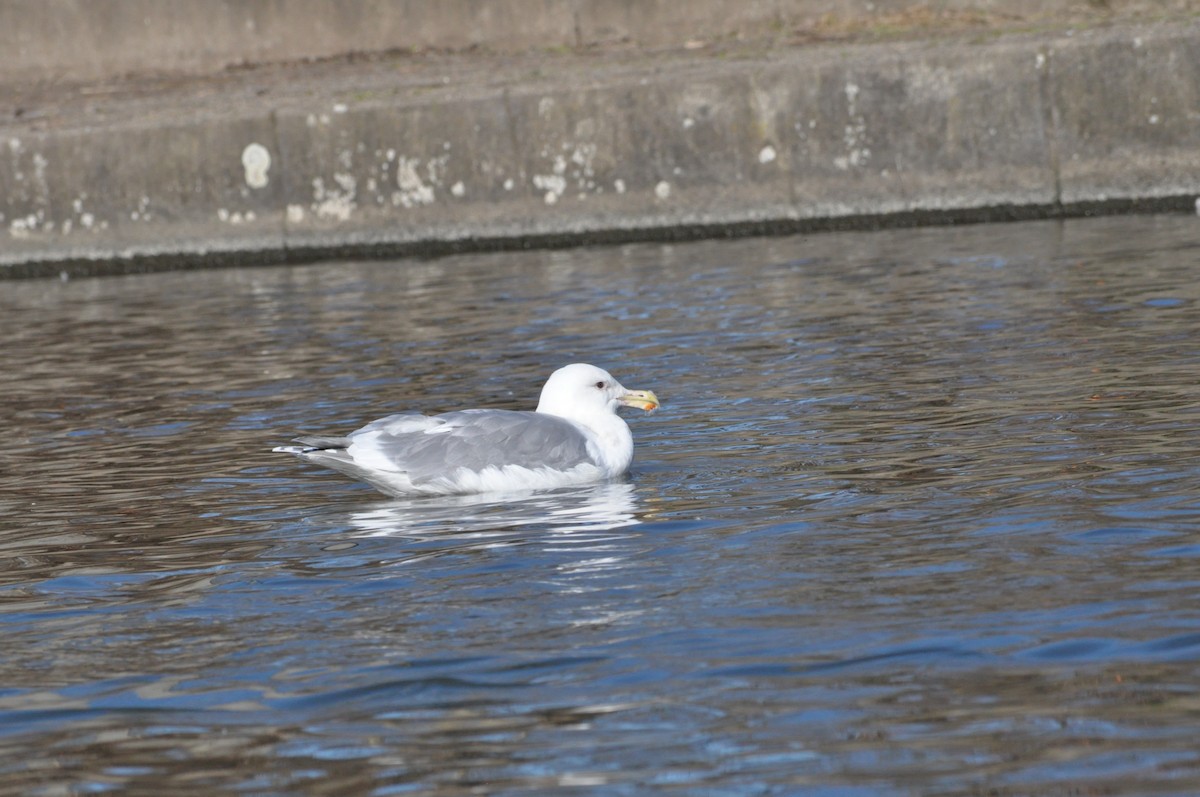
(433, 154)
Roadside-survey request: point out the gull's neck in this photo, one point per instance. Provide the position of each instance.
(609, 440)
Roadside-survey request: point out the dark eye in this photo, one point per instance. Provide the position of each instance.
(601, 385)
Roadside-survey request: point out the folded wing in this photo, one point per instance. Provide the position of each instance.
(423, 449)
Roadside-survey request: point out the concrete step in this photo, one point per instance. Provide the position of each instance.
(428, 153)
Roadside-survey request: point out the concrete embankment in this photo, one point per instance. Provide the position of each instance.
(429, 152)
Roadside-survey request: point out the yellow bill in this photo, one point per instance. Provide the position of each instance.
(640, 399)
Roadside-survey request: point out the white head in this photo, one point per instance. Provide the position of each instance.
(579, 391)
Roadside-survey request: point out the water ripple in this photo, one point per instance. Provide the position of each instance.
(919, 515)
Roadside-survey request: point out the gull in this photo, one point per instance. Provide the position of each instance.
(573, 437)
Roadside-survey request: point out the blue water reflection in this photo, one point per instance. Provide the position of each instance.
(919, 516)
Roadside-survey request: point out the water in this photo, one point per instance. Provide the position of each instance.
(920, 515)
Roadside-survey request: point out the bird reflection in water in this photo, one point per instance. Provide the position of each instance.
(589, 508)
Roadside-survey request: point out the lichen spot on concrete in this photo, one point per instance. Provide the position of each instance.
(256, 160)
(295, 214)
(235, 217)
(552, 184)
(766, 154)
(19, 228)
(662, 190)
(413, 190)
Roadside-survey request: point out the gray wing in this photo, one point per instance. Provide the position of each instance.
(427, 448)
(403, 421)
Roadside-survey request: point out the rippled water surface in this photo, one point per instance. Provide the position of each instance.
(920, 515)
